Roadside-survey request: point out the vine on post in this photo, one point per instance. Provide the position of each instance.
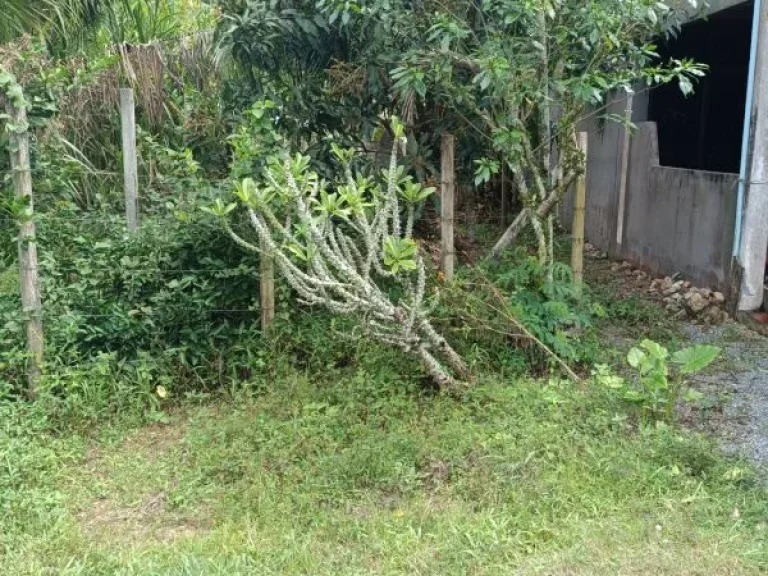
(17, 127)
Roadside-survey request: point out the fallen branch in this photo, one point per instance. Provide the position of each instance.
(507, 316)
(514, 229)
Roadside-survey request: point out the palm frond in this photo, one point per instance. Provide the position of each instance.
(58, 20)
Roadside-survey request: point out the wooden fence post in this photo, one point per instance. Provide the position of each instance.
(447, 192)
(579, 207)
(130, 163)
(624, 174)
(503, 196)
(30, 284)
(267, 287)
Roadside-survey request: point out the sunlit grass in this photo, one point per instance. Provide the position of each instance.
(347, 476)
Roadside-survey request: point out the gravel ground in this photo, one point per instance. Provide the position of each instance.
(735, 409)
(740, 384)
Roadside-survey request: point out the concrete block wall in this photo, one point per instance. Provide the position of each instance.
(676, 220)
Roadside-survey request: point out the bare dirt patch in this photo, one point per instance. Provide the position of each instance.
(155, 440)
(150, 522)
(136, 461)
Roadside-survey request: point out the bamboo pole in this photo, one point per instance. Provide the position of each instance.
(130, 163)
(624, 174)
(30, 284)
(447, 191)
(267, 287)
(579, 208)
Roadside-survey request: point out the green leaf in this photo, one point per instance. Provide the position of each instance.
(400, 254)
(695, 358)
(656, 381)
(219, 209)
(297, 251)
(654, 349)
(246, 191)
(686, 86)
(636, 357)
(633, 396)
(603, 375)
(692, 395)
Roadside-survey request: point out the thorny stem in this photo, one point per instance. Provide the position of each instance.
(342, 259)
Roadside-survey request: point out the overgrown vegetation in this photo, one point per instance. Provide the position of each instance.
(490, 72)
(170, 434)
(347, 250)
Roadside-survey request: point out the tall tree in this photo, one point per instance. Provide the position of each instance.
(512, 78)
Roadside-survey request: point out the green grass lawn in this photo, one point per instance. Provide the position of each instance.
(348, 475)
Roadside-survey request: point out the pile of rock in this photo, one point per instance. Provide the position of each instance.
(590, 251)
(682, 299)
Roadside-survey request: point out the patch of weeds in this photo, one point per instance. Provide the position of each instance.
(342, 474)
(660, 380)
(32, 461)
(510, 315)
(9, 282)
(733, 332)
(637, 316)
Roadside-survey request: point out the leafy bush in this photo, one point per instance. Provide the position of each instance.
(555, 312)
(176, 289)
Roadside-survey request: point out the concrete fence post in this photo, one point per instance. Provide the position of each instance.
(447, 192)
(130, 163)
(754, 242)
(624, 174)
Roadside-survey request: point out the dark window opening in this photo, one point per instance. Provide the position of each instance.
(704, 130)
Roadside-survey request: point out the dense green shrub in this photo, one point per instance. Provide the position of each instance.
(176, 289)
(556, 312)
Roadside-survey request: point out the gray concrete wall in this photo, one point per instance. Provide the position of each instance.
(676, 220)
(718, 5)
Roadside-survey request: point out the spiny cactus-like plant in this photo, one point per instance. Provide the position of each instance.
(338, 243)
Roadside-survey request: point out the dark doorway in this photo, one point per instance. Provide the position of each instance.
(704, 130)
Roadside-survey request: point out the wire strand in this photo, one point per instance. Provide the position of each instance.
(74, 269)
(139, 313)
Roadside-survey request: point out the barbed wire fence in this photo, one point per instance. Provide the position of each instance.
(32, 311)
(127, 271)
